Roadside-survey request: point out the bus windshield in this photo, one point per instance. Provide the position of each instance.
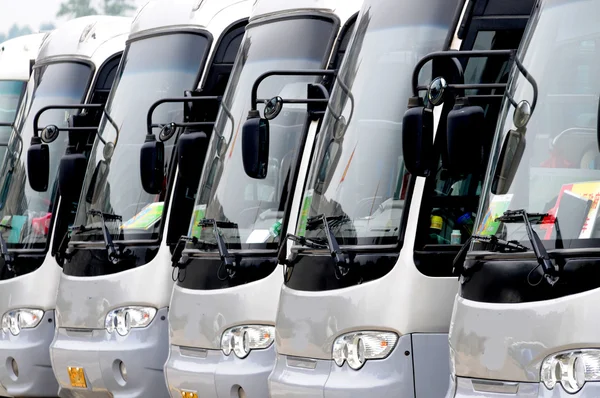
(151, 68)
(357, 174)
(226, 192)
(25, 214)
(558, 175)
(11, 92)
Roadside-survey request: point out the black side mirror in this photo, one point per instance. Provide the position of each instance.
(255, 147)
(191, 151)
(464, 139)
(70, 175)
(510, 157)
(38, 165)
(417, 138)
(152, 165)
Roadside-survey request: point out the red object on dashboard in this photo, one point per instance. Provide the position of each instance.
(41, 225)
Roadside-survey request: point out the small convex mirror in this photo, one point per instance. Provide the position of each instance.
(273, 108)
(522, 114)
(167, 131)
(50, 134)
(108, 151)
(436, 91)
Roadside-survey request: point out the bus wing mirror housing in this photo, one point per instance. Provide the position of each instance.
(417, 139)
(38, 164)
(464, 131)
(511, 154)
(255, 147)
(191, 152)
(71, 174)
(152, 160)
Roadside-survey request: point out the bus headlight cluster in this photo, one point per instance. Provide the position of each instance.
(15, 320)
(122, 320)
(358, 347)
(242, 339)
(572, 369)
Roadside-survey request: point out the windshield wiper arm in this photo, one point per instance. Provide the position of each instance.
(228, 259)
(114, 254)
(340, 258)
(6, 256)
(543, 259)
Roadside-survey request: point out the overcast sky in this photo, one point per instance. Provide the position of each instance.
(32, 13)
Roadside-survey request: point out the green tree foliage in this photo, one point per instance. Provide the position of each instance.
(76, 9)
(118, 7)
(47, 27)
(16, 31)
(82, 8)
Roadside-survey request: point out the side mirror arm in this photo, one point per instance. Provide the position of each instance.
(83, 107)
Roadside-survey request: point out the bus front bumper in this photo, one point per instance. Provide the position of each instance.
(25, 369)
(311, 378)
(212, 374)
(471, 388)
(95, 363)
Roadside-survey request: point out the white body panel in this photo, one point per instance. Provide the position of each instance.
(510, 341)
(16, 55)
(82, 38)
(343, 9)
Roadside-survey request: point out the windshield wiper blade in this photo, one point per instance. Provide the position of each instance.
(183, 241)
(310, 243)
(228, 259)
(498, 245)
(114, 254)
(6, 256)
(333, 221)
(543, 259)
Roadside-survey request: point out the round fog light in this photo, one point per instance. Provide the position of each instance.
(13, 368)
(123, 370)
(241, 393)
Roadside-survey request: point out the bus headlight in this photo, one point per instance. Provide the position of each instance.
(15, 320)
(122, 320)
(242, 339)
(358, 347)
(572, 369)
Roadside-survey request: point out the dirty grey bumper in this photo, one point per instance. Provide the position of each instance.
(472, 388)
(212, 374)
(143, 352)
(30, 352)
